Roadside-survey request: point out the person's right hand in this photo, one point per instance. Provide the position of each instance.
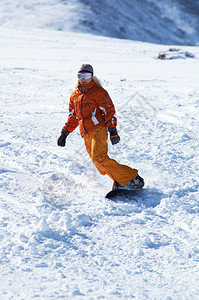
(62, 139)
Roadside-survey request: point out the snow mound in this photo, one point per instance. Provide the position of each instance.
(174, 53)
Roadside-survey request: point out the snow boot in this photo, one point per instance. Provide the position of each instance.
(138, 183)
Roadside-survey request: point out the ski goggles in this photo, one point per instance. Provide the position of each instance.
(84, 75)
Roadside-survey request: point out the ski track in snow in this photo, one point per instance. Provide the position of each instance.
(60, 238)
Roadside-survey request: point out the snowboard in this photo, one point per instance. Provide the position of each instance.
(123, 193)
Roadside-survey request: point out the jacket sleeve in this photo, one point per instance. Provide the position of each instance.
(72, 121)
(108, 110)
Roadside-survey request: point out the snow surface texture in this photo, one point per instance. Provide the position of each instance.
(60, 237)
(163, 22)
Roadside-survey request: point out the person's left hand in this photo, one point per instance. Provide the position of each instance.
(114, 136)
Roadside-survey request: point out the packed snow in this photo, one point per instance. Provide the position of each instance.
(60, 237)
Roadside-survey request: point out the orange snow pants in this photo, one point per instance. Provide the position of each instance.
(97, 148)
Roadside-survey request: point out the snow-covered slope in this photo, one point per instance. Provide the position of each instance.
(60, 238)
(164, 22)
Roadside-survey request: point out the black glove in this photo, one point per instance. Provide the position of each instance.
(62, 139)
(114, 136)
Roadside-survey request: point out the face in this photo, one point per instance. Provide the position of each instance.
(85, 81)
(84, 77)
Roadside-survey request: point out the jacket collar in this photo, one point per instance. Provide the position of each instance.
(85, 88)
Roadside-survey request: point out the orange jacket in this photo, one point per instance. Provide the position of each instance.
(90, 107)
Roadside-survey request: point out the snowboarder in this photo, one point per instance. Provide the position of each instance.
(92, 109)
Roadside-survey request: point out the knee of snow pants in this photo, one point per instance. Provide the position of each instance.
(97, 148)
